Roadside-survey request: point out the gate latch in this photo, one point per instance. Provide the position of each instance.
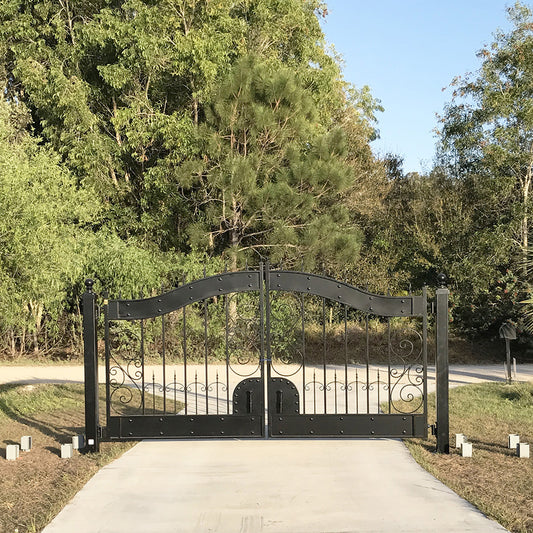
(433, 428)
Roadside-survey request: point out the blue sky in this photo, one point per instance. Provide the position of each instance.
(407, 51)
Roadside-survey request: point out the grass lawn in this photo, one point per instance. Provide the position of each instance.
(37, 486)
(494, 479)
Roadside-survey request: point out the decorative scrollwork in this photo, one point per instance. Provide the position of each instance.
(286, 334)
(243, 335)
(407, 380)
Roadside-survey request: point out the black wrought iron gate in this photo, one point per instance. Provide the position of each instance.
(258, 353)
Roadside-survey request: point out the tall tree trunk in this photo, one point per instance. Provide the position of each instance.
(525, 220)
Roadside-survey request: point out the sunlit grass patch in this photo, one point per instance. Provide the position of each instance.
(495, 480)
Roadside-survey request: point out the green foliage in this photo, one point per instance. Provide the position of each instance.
(42, 231)
(486, 152)
(152, 137)
(271, 178)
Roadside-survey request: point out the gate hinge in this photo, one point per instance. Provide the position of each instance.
(433, 428)
(101, 432)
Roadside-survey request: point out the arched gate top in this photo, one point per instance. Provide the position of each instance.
(187, 294)
(376, 304)
(276, 280)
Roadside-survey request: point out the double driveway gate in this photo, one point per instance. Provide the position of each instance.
(259, 353)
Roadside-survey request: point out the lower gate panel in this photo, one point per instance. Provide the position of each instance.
(168, 426)
(361, 425)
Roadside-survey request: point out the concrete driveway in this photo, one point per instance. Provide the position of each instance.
(278, 486)
(290, 486)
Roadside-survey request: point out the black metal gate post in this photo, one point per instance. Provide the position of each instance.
(442, 370)
(90, 355)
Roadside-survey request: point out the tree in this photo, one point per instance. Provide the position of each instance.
(119, 88)
(41, 233)
(269, 178)
(487, 133)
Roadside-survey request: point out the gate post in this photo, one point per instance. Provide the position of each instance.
(442, 370)
(90, 356)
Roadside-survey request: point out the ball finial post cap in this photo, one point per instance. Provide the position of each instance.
(441, 280)
(89, 284)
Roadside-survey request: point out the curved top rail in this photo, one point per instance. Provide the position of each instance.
(278, 280)
(376, 304)
(189, 293)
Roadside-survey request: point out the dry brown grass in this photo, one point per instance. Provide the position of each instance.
(37, 486)
(495, 480)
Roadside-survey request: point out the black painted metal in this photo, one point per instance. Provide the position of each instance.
(338, 398)
(338, 291)
(283, 397)
(187, 294)
(442, 369)
(90, 350)
(170, 426)
(351, 425)
(249, 397)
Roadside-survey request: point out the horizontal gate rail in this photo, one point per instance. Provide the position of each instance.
(171, 426)
(351, 425)
(185, 295)
(346, 294)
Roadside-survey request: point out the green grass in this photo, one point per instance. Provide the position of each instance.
(494, 479)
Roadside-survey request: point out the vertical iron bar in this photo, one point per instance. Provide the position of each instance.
(265, 340)
(185, 386)
(205, 359)
(367, 366)
(389, 347)
(346, 358)
(196, 391)
(335, 385)
(153, 392)
(324, 352)
(90, 357)
(302, 308)
(425, 352)
(107, 343)
(175, 387)
(378, 386)
(356, 391)
(314, 392)
(163, 353)
(226, 296)
(216, 385)
(442, 370)
(142, 368)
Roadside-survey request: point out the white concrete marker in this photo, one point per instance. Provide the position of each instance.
(459, 439)
(25, 443)
(78, 442)
(522, 450)
(513, 441)
(466, 449)
(66, 451)
(12, 452)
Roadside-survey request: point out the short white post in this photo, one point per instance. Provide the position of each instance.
(12, 452)
(466, 449)
(459, 439)
(66, 451)
(522, 450)
(513, 441)
(25, 443)
(78, 442)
